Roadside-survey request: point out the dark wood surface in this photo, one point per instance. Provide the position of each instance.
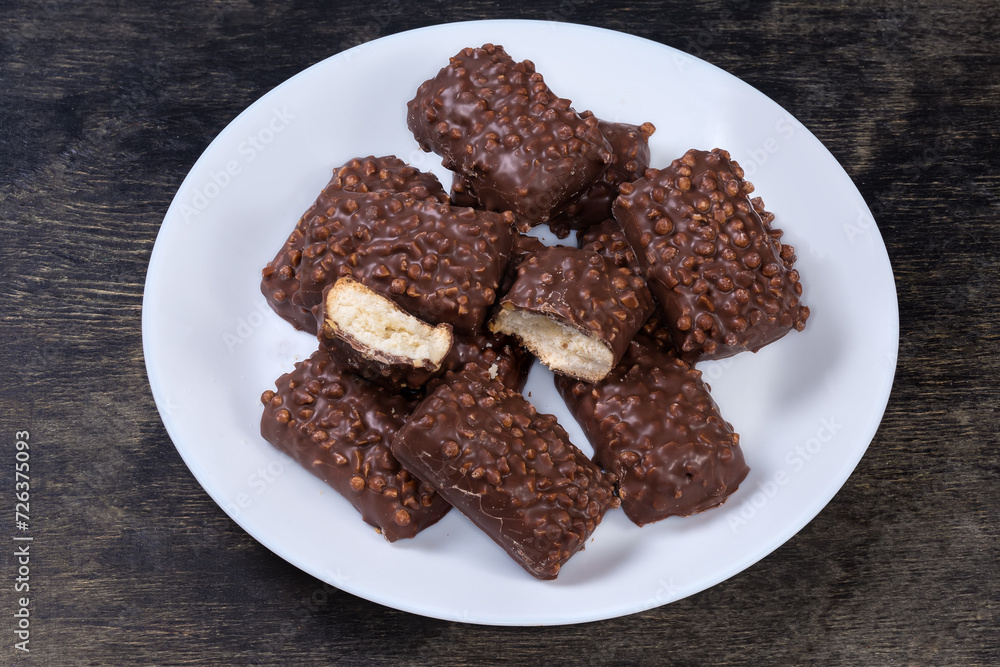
(105, 105)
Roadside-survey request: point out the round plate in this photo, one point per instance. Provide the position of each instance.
(806, 407)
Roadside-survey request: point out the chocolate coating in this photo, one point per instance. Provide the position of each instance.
(654, 425)
(395, 373)
(523, 246)
(280, 278)
(518, 145)
(607, 238)
(630, 159)
(339, 427)
(511, 470)
(439, 263)
(708, 252)
(498, 354)
(584, 290)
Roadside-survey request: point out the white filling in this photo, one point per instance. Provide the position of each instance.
(559, 346)
(378, 323)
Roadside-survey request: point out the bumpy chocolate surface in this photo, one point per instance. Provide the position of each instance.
(339, 427)
(607, 238)
(511, 470)
(710, 256)
(654, 425)
(523, 247)
(584, 290)
(630, 159)
(280, 283)
(440, 263)
(518, 145)
(500, 355)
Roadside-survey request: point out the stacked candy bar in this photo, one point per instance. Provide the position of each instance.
(629, 161)
(339, 427)
(517, 145)
(574, 309)
(397, 284)
(510, 469)
(654, 426)
(281, 277)
(710, 256)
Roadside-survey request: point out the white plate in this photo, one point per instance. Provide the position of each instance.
(806, 407)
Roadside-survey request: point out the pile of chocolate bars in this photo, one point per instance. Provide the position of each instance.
(430, 307)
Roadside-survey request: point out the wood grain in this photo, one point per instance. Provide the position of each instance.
(105, 105)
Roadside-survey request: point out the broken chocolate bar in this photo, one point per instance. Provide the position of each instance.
(574, 309)
(654, 425)
(440, 263)
(380, 341)
(339, 427)
(708, 252)
(280, 282)
(511, 470)
(517, 145)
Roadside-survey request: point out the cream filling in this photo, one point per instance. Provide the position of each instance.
(378, 323)
(557, 345)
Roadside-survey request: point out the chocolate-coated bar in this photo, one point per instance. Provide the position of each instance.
(501, 356)
(380, 341)
(654, 425)
(710, 256)
(511, 470)
(339, 427)
(630, 159)
(607, 238)
(518, 146)
(280, 283)
(437, 262)
(574, 309)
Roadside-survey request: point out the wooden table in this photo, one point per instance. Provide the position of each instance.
(105, 105)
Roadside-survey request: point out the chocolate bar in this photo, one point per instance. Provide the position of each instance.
(518, 146)
(501, 356)
(280, 283)
(708, 252)
(654, 425)
(574, 309)
(380, 341)
(439, 263)
(511, 470)
(607, 238)
(630, 159)
(339, 427)
(523, 246)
